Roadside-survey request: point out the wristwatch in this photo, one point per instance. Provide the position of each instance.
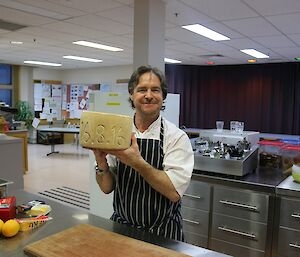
(98, 170)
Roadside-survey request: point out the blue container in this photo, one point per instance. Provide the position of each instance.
(291, 141)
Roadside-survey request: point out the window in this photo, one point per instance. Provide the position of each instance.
(5, 74)
(6, 84)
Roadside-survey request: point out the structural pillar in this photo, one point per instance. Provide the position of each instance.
(149, 33)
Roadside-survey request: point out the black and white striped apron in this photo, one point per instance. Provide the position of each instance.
(137, 204)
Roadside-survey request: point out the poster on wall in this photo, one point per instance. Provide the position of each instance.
(57, 101)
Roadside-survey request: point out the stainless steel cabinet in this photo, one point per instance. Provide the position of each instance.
(239, 222)
(195, 213)
(289, 228)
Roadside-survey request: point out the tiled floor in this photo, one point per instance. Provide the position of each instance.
(69, 167)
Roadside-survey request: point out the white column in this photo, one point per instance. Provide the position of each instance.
(26, 84)
(149, 33)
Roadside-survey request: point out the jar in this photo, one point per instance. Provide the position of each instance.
(290, 156)
(270, 153)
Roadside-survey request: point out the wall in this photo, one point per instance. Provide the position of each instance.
(47, 74)
(97, 75)
(88, 76)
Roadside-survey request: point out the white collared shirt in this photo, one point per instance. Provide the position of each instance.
(178, 160)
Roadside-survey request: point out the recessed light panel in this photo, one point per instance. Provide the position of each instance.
(206, 32)
(98, 46)
(79, 58)
(168, 60)
(43, 63)
(254, 53)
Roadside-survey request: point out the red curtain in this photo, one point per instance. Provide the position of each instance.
(266, 97)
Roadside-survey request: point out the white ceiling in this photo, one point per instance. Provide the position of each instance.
(270, 26)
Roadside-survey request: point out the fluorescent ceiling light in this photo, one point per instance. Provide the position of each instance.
(254, 53)
(16, 42)
(206, 32)
(168, 60)
(79, 58)
(43, 63)
(96, 45)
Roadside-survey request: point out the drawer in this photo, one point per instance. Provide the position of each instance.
(234, 250)
(290, 213)
(238, 231)
(195, 221)
(241, 203)
(288, 243)
(196, 239)
(197, 195)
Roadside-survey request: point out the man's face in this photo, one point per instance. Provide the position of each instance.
(147, 96)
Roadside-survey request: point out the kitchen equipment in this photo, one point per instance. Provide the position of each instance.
(88, 240)
(232, 166)
(226, 152)
(227, 137)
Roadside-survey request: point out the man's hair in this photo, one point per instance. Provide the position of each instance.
(135, 77)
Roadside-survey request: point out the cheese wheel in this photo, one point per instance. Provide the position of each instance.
(105, 130)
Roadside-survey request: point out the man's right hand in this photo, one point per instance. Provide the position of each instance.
(100, 159)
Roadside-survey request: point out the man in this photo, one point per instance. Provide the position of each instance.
(150, 177)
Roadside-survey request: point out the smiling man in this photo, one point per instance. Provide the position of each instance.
(150, 177)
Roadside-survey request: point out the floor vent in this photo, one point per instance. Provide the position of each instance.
(67, 195)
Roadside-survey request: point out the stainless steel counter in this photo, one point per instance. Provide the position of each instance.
(288, 187)
(261, 180)
(65, 217)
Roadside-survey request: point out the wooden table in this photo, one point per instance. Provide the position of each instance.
(53, 130)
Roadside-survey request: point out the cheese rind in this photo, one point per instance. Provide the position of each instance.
(105, 130)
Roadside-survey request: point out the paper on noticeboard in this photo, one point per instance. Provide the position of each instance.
(35, 122)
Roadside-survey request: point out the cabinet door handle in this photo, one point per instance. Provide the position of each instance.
(294, 245)
(251, 236)
(241, 205)
(191, 221)
(297, 216)
(193, 196)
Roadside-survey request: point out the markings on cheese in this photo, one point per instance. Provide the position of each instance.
(102, 132)
(106, 131)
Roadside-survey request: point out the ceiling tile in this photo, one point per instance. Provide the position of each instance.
(90, 6)
(50, 6)
(104, 24)
(275, 41)
(22, 18)
(289, 23)
(222, 9)
(295, 38)
(242, 43)
(180, 14)
(253, 27)
(122, 14)
(274, 7)
(77, 30)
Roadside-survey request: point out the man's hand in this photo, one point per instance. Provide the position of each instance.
(100, 159)
(130, 156)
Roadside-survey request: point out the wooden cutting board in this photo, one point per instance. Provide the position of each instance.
(87, 240)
